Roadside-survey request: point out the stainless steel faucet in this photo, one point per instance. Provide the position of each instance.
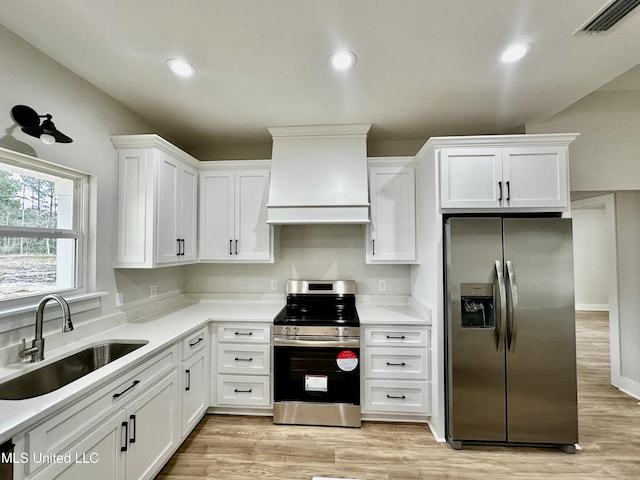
(36, 351)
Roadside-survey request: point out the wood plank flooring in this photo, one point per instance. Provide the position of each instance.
(247, 448)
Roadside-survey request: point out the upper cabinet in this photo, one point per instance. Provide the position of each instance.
(157, 203)
(233, 213)
(504, 172)
(391, 234)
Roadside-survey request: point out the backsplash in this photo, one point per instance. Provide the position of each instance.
(316, 252)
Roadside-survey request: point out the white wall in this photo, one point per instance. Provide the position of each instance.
(606, 155)
(90, 117)
(590, 258)
(306, 252)
(606, 158)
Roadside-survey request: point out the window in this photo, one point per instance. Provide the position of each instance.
(42, 228)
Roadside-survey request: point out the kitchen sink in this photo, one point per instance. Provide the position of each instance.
(66, 370)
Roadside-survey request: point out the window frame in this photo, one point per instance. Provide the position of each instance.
(78, 232)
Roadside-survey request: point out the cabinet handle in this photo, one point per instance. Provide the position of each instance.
(397, 397)
(248, 334)
(243, 359)
(230, 247)
(508, 191)
(182, 246)
(188, 387)
(178, 240)
(135, 382)
(132, 421)
(396, 364)
(201, 339)
(236, 247)
(242, 391)
(500, 188)
(392, 337)
(124, 436)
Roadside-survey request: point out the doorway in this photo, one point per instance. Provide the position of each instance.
(595, 264)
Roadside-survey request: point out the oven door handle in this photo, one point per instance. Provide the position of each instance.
(309, 341)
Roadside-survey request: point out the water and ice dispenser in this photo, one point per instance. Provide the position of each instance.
(477, 305)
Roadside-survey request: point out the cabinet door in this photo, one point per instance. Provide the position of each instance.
(153, 428)
(252, 234)
(134, 180)
(167, 198)
(391, 235)
(471, 178)
(216, 216)
(195, 390)
(536, 177)
(188, 213)
(97, 456)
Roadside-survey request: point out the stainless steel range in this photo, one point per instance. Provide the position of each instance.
(316, 342)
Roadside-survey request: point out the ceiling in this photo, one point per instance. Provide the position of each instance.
(425, 67)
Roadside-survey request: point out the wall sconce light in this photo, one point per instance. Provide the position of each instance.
(46, 131)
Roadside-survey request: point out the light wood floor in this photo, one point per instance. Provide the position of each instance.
(246, 448)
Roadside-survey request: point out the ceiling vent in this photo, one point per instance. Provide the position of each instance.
(609, 16)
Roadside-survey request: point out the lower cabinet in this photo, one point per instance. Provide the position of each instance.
(126, 429)
(194, 385)
(242, 363)
(397, 372)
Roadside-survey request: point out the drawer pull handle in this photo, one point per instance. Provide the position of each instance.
(188, 387)
(132, 421)
(396, 364)
(200, 340)
(396, 337)
(247, 334)
(237, 359)
(397, 397)
(242, 391)
(135, 382)
(124, 436)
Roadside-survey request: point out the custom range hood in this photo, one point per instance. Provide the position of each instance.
(319, 175)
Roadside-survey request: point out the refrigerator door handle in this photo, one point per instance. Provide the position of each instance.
(512, 326)
(502, 298)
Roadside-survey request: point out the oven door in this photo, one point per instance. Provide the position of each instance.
(320, 371)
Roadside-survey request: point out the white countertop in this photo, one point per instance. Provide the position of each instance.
(161, 331)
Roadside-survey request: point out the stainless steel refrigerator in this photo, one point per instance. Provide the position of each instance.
(510, 315)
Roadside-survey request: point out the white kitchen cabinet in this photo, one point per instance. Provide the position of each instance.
(391, 233)
(111, 433)
(397, 372)
(243, 367)
(195, 380)
(233, 213)
(152, 432)
(504, 173)
(157, 203)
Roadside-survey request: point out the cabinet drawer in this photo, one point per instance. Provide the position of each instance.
(194, 343)
(243, 390)
(244, 333)
(244, 359)
(397, 396)
(409, 336)
(396, 363)
(55, 434)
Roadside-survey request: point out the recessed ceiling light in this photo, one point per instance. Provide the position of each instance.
(182, 68)
(515, 52)
(343, 60)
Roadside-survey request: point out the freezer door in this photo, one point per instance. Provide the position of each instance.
(541, 353)
(475, 359)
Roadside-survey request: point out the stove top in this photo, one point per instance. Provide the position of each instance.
(319, 303)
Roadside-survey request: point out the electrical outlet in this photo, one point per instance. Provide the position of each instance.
(119, 299)
(382, 285)
(153, 291)
(274, 284)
